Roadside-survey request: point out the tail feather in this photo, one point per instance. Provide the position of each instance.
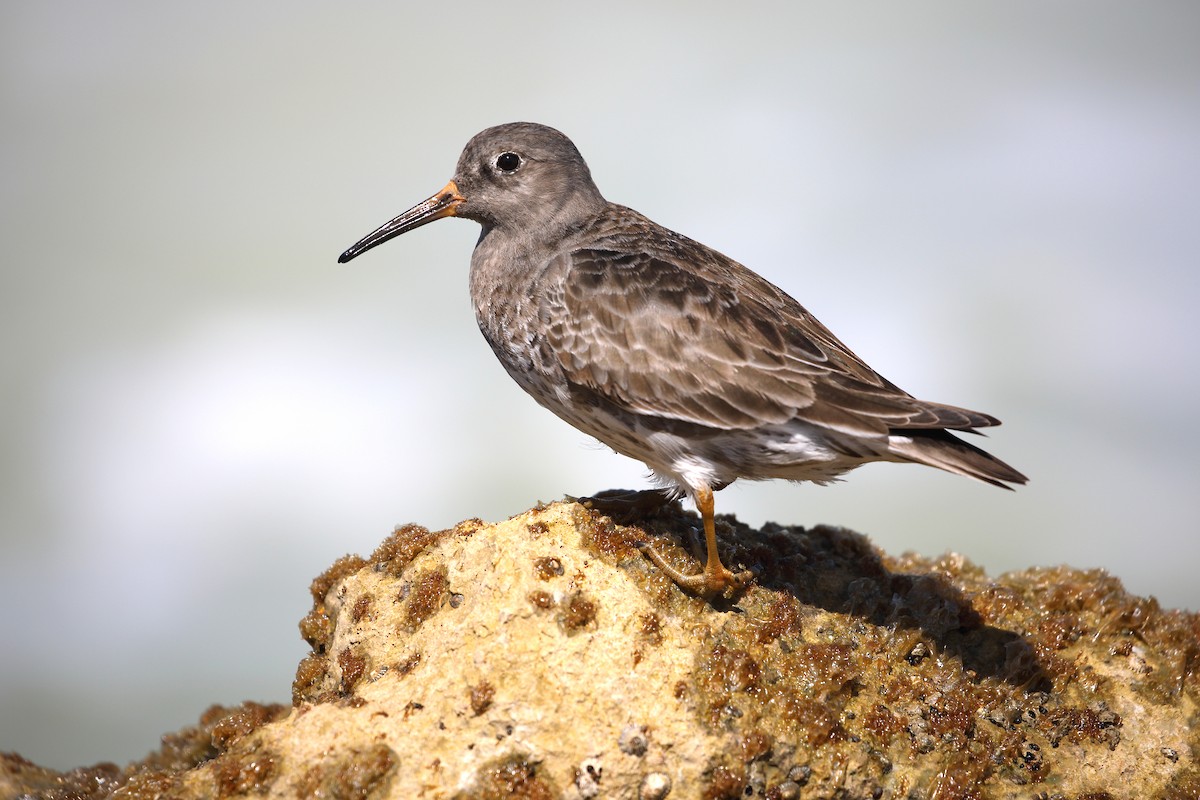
(944, 450)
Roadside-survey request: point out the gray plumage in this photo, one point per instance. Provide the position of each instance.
(666, 350)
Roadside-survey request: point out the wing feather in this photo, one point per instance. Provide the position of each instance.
(660, 325)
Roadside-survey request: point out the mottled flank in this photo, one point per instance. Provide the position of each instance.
(665, 350)
(842, 672)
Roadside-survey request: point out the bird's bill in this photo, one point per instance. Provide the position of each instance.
(443, 204)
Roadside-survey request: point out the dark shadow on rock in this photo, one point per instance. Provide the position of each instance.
(840, 571)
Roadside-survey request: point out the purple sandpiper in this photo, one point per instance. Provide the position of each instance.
(665, 350)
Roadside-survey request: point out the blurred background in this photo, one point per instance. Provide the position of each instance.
(995, 204)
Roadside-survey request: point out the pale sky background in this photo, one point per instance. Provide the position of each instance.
(995, 204)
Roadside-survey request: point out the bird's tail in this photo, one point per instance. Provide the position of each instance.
(944, 450)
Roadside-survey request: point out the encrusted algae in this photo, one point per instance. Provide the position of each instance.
(545, 657)
(481, 696)
(218, 748)
(886, 675)
(351, 773)
(514, 777)
(972, 686)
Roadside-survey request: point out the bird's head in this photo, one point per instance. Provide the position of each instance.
(522, 178)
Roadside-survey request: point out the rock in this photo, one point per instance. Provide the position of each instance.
(544, 657)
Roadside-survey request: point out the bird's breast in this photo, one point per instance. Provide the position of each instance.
(505, 288)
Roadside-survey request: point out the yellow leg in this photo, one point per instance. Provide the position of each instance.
(716, 577)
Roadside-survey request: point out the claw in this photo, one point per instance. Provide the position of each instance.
(716, 577)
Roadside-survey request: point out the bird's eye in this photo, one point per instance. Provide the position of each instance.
(508, 162)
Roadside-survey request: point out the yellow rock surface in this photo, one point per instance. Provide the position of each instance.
(544, 657)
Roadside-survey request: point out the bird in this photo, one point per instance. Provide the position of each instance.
(666, 350)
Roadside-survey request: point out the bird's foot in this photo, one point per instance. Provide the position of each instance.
(714, 580)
